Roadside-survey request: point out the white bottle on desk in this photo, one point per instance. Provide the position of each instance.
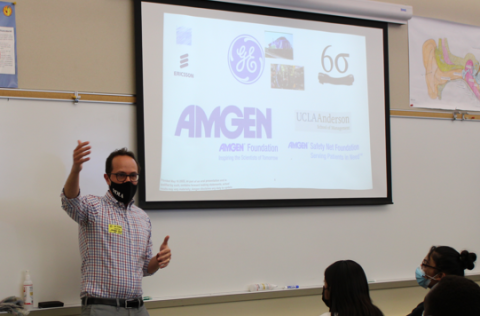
(28, 291)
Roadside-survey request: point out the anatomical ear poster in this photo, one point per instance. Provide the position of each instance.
(444, 64)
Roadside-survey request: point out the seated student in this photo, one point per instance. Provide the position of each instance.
(453, 295)
(346, 291)
(439, 262)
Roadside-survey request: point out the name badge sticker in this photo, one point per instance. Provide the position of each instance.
(115, 229)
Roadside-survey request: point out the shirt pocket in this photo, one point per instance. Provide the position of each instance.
(140, 234)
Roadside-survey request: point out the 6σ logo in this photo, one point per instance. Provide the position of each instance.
(326, 78)
(246, 59)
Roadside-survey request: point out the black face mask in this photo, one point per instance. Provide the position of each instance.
(327, 302)
(123, 192)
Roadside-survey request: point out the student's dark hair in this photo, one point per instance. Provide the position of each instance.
(453, 295)
(450, 262)
(119, 152)
(349, 292)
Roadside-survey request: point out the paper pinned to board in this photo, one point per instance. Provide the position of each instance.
(7, 50)
(444, 64)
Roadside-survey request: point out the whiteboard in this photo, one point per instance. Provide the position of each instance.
(435, 185)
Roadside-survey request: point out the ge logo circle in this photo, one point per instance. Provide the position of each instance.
(245, 59)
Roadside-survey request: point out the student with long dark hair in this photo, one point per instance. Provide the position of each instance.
(346, 291)
(438, 263)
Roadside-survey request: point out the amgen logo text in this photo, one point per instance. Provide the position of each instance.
(245, 59)
(250, 122)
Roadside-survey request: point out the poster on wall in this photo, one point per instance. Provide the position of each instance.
(8, 46)
(444, 65)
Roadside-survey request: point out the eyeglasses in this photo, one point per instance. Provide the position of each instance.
(424, 265)
(122, 176)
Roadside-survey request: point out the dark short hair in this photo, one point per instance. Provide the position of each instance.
(119, 152)
(349, 292)
(453, 295)
(450, 262)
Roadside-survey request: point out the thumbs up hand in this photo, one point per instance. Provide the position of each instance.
(165, 255)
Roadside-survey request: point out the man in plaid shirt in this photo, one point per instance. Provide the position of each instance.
(114, 236)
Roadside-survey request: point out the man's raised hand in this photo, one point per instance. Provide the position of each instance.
(80, 155)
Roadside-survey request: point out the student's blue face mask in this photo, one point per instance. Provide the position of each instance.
(421, 280)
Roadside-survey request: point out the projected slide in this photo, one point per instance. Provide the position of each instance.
(248, 106)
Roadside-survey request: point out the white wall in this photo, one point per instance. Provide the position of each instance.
(218, 251)
(435, 174)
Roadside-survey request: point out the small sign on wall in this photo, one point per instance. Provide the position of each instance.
(8, 46)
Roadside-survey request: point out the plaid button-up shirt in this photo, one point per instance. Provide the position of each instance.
(115, 245)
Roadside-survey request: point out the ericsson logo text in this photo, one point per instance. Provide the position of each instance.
(183, 74)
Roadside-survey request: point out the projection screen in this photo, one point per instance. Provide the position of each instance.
(247, 106)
